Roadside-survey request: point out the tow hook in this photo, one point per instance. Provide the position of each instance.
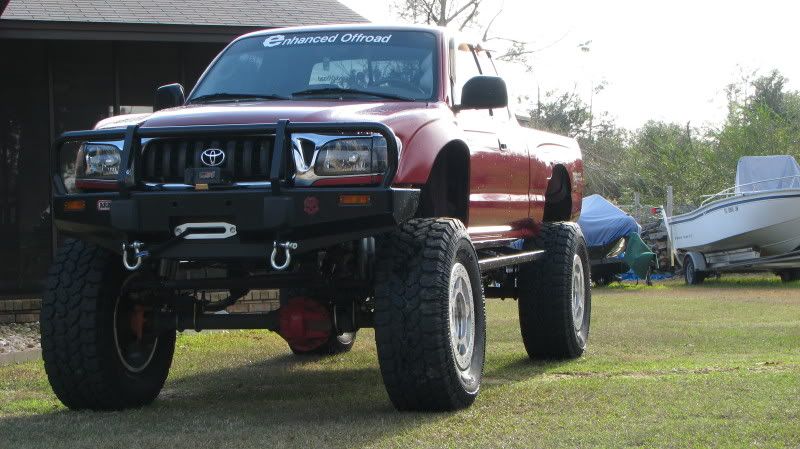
(138, 254)
(287, 254)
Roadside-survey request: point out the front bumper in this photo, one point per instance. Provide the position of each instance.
(274, 211)
(312, 217)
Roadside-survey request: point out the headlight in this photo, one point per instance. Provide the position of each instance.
(352, 156)
(98, 161)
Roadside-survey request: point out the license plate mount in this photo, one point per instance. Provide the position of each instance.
(204, 175)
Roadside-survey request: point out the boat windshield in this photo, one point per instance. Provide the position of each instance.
(333, 64)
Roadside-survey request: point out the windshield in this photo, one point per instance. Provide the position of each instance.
(375, 64)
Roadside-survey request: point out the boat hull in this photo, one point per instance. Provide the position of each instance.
(767, 222)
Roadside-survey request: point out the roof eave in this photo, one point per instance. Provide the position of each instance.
(31, 29)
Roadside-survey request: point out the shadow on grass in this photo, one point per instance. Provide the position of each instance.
(276, 401)
(520, 369)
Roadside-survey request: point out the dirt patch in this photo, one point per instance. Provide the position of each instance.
(17, 337)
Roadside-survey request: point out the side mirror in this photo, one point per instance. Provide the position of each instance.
(484, 92)
(169, 96)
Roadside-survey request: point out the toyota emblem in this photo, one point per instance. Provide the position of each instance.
(212, 157)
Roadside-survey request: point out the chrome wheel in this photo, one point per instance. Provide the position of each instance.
(578, 293)
(462, 317)
(346, 338)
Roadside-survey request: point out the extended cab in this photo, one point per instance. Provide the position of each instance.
(374, 175)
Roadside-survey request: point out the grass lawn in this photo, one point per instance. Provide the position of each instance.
(667, 366)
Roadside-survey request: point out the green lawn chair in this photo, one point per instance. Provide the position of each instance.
(638, 256)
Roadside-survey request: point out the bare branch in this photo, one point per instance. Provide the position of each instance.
(469, 18)
(431, 16)
(563, 36)
(491, 22)
(510, 56)
(462, 14)
(471, 3)
(504, 39)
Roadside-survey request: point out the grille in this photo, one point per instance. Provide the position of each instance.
(247, 159)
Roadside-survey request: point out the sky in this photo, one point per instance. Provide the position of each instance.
(660, 60)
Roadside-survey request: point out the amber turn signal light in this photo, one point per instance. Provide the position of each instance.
(354, 200)
(74, 205)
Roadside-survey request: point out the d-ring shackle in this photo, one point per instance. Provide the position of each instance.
(136, 247)
(287, 254)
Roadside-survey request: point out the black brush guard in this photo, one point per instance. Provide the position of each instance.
(263, 215)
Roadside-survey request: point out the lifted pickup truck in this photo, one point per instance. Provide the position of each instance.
(375, 175)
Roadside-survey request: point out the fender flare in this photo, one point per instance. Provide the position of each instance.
(421, 150)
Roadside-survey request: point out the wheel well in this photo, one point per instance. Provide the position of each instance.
(558, 197)
(446, 194)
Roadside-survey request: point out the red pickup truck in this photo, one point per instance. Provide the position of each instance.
(374, 175)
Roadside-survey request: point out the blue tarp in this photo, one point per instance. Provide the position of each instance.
(603, 223)
(631, 276)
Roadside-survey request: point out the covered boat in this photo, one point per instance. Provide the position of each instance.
(762, 211)
(608, 230)
(754, 225)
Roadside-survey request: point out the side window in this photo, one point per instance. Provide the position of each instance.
(466, 68)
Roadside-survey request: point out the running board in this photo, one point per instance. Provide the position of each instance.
(493, 263)
(492, 243)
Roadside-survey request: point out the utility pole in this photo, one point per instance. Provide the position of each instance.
(591, 110)
(689, 133)
(670, 201)
(538, 99)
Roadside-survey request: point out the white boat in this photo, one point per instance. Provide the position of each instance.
(758, 217)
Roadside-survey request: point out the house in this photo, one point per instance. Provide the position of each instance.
(69, 63)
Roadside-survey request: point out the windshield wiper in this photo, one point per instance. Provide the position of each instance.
(236, 97)
(345, 90)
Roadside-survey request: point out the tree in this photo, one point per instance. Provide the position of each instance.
(604, 158)
(763, 119)
(561, 113)
(603, 143)
(462, 15)
(668, 154)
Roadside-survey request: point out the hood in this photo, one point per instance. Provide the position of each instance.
(403, 117)
(121, 121)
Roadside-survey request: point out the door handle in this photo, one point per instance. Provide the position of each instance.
(502, 145)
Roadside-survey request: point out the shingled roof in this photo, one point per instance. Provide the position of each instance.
(239, 13)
